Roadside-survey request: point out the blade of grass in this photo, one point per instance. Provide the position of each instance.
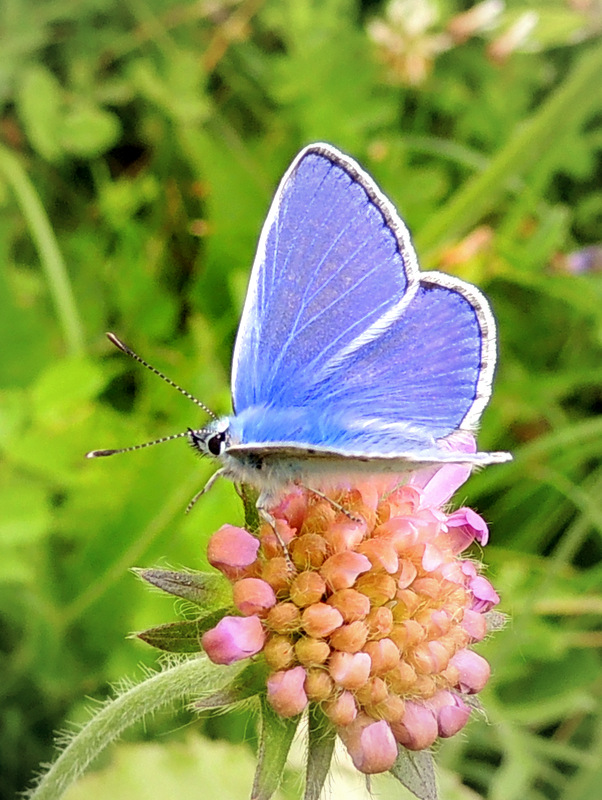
(479, 194)
(48, 249)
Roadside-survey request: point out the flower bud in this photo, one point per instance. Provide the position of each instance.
(373, 692)
(233, 639)
(232, 550)
(311, 652)
(279, 652)
(350, 638)
(277, 573)
(341, 570)
(307, 588)
(381, 553)
(418, 728)
(352, 604)
(320, 620)
(286, 692)
(342, 537)
(475, 625)
(350, 670)
(284, 618)
(370, 744)
(452, 713)
(342, 710)
(380, 622)
(379, 587)
(318, 685)
(253, 596)
(474, 671)
(308, 551)
(384, 655)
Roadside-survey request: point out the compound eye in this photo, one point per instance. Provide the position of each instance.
(215, 443)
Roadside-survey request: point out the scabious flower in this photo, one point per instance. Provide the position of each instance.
(371, 612)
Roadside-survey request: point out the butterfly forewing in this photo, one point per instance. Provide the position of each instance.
(330, 264)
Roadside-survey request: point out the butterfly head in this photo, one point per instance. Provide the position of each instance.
(212, 440)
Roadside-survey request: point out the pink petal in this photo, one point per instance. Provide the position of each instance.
(484, 595)
(418, 727)
(320, 620)
(464, 526)
(232, 549)
(342, 570)
(474, 671)
(370, 744)
(439, 483)
(350, 670)
(286, 691)
(475, 624)
(253, 596)
(233, 639)
(452, 713)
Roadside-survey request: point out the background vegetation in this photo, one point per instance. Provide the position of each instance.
(140, 143)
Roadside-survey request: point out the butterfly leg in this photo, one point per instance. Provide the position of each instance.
(218, 474)
(265, 515)
(334, 504)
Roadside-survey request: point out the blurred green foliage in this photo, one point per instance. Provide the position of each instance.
(140, 142)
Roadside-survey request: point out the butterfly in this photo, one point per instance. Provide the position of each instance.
(347, 358)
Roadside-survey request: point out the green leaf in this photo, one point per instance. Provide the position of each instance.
(416, 771)
(205, 589)
(183, 636)
(322, 738)
(39, 103)
(88, 131)
(276, 737)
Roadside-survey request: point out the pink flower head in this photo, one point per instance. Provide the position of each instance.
(286, 691)
(233, 638)
(370, 744)
(374, 619)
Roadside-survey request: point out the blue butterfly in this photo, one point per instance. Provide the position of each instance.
(348, 358)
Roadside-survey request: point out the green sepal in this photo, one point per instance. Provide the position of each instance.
(416, 771)
(275, 739)
(321, 740)
(248, 683)
(206, 589)
(183, 636)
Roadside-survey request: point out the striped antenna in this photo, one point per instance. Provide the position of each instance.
(102, 453)
(125, 349)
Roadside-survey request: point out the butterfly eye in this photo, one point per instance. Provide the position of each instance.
(216, 443)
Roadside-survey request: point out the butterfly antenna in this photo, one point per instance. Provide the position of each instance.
(102, 453)
(125, 349)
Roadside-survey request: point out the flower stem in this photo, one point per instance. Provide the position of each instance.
(179, 683)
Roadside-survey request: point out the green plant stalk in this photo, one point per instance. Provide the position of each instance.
(48, 249)
(481, 192)
(177, 684)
